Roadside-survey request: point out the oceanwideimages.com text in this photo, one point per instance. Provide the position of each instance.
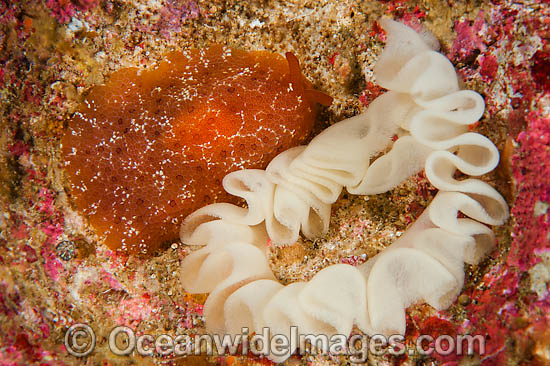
(80, 341)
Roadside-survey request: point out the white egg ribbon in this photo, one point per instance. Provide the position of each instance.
(295, 193)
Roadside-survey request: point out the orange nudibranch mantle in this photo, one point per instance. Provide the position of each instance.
(151, 146)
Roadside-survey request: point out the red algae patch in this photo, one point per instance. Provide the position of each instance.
(151, 146)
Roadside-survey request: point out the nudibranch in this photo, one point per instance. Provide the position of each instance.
(151, 146)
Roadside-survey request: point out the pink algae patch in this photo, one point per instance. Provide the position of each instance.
(131, 312)
(468, 38)
(52, 265)
(530, 164)
(489, 67)
(20, 232)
